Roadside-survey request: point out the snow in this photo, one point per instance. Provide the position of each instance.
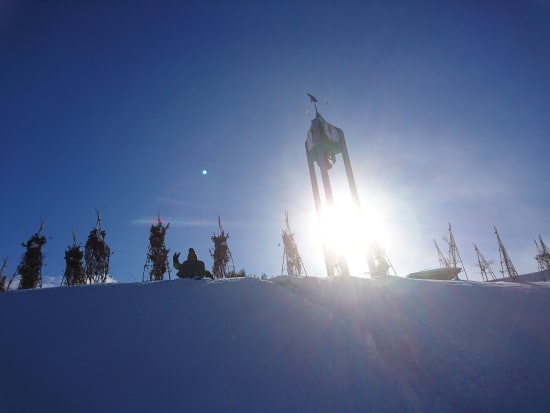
(279, 345)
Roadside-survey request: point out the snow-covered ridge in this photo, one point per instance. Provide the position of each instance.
(283, 345)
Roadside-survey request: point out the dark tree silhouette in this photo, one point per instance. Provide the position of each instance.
(3, 275)
(223, 266)
(30, 267)
(74, 267)
(291, 256)
(97, 254)
(157, 256)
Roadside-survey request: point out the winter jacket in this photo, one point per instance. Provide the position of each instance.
(190, 269)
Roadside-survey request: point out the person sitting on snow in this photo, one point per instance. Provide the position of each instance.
(190, 268)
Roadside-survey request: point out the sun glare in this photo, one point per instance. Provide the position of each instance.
(349, 231)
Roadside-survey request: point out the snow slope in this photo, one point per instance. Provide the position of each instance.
(283, 345)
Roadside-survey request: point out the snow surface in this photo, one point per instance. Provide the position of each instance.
(280, 345)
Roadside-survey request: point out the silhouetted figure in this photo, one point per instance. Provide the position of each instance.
(190, 268)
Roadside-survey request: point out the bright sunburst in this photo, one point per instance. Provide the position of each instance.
(350, 231)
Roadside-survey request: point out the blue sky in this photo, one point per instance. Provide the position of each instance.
(121, 105)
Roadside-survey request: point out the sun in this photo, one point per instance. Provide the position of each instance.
(350, 231)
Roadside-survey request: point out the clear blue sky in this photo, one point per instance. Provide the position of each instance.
(121, 105)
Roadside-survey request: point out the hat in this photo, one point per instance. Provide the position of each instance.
(192, 254)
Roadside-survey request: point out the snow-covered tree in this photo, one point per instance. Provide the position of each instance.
(97, 254)
(223, 265)
(30, 267)
(3, 275)
(291, 256)
(74, 267)
(157, 256)
(543, 257)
